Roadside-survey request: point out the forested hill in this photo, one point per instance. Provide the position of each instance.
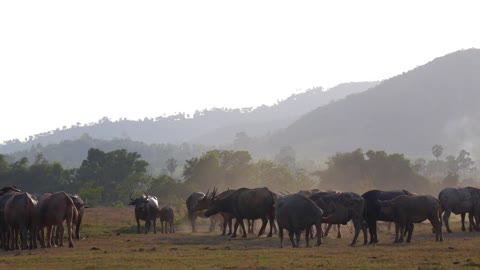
(436, 103)
(208, 127)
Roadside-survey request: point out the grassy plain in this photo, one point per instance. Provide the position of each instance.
(109, 241)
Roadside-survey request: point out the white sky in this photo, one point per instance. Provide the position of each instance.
(63, 62)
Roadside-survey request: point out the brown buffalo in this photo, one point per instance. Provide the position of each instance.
(405, 210)
(5, 194)
(20, 218)
(166, 216)
(80, 205)
(53, 210)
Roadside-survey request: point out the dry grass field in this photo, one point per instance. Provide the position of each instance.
(109, 241)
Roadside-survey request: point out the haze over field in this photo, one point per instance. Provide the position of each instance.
(67, 63)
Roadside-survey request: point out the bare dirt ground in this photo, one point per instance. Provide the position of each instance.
(109, 241)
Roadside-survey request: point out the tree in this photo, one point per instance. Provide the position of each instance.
(451, 180)
(171, 166)
(437, 150)
(286, 156)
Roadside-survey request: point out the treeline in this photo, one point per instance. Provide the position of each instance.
(109, 178)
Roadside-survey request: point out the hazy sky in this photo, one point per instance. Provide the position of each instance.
(63, 62)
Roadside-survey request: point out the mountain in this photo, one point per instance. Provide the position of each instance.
(436, 103)
(208, 127)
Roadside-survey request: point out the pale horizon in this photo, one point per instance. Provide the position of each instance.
(68, 62)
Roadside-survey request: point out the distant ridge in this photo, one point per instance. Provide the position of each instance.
(208, 127)
(437, 103)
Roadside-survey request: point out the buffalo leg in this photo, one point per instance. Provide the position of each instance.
(297, 237)
(234, 234)
(264, 225)
(290, 235)
(357, 225)
(24, 237)
(243, 228)
(49, 236)
(372, 228)
(446, 216)
(154, 225)
(60, 232)
(470, 222)
(397, 229)
(307, 236)
(339, 233)
(410, 232)
(327, 229)
(280, 235)
(463, 221)
(69, 231)
(318, 227)
(138, 225)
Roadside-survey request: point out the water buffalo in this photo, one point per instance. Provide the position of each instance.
(405, 210)
(204, 203)
(5, 194)
(53, 210)
(146, 208)
(372, 208)
(80, 205)
(166, 216)
(20, 218)
(191, 203)
(341, 208)
(458, 201)
(297, 213)
(246, 203)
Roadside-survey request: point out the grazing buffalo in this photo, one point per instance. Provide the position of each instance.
(146, 208)
(372, 208)
(166, 216)
(405, 210)
(5, 194)
(341, 208)
(246, 203)
(53, 210)
(80, 205)
(191, 204)
(204, 203)
(458, 201)
(297, 213)
(20, 218)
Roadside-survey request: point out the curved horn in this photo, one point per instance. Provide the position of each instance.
(146, 195)
(206, 194)
(214, 193)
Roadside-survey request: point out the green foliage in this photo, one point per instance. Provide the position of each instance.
(92, 196)
(352, 171)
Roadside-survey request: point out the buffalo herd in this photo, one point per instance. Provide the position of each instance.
(306, 211)
(26, 220)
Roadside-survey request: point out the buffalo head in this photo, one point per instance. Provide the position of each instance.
(215, 204)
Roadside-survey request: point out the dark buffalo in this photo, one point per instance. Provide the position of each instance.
(166, 216)
(372, 208)
(191, 204)
(53, 210)
(405, 210)
(5, 194)
(246, 203)
(297, 213)
(20, 218)
(204, 203)
(458, 201)
(80, 205)
(341, 208)
(146, 208)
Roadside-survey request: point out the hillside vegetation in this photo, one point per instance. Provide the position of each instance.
(433, 103)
